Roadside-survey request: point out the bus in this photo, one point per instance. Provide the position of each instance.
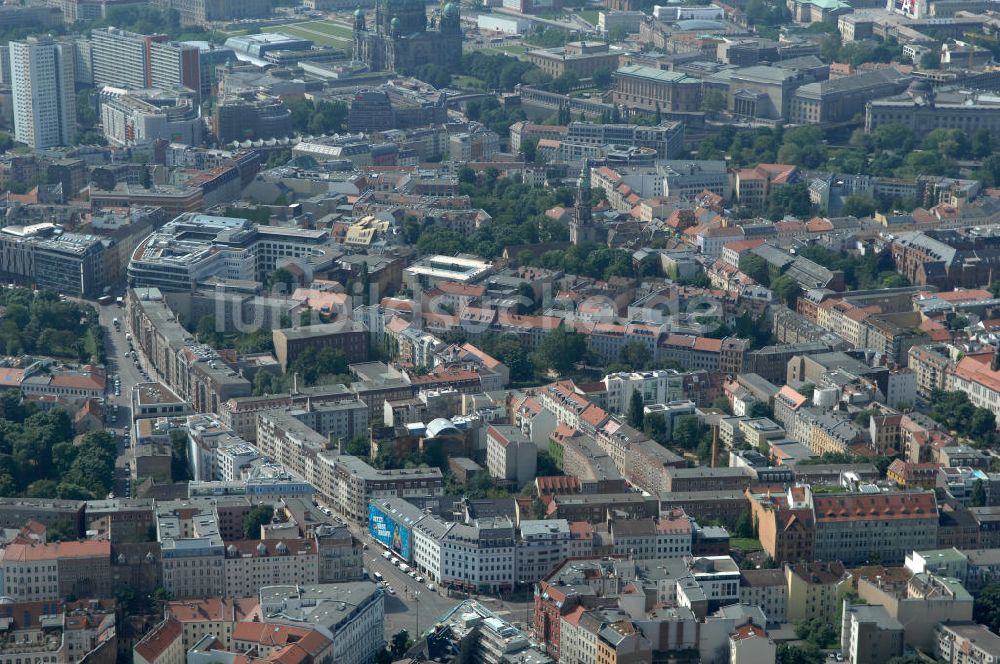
(105, 300)
(378, 576)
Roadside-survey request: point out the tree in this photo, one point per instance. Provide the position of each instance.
(806, 390)
(859, 205)
(744, 525)
(805, 654)
(146, 178)
(207, 332)
(400, 644)
(635, 410)
(687, 432)
(978, 498)
(722, 403)
(529, 148)
(560, 350)
(256, 518)
(713, 101)
(282, 279)
(602, 77)
(655, 426)
(755, 267)
(986, 608)
(635, 355)
(930, 60)
(785, 289)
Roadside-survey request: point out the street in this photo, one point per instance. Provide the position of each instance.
(411, 600)
(119, 406)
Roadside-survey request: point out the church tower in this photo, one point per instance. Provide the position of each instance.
(581, 228)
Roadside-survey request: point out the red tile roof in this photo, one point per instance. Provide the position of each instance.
(157, 641)
(875, 507)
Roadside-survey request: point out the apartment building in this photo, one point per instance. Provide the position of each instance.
(59, 632)
(250, 564)
(965, 643)
(510, 456)
(193, 371)
(123, 59)
(192, 550)
(869, 635)
(41, 572)
(43, 93)
(845, 532)
(349, 337)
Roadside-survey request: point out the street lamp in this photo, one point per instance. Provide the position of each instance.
(416, 601)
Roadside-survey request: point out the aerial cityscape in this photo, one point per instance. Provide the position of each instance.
(499, 332)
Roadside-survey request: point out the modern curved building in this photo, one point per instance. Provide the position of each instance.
(196, 247)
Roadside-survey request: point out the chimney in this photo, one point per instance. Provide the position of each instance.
(715, 444)
(995, 363)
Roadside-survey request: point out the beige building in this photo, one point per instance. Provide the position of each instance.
(869, 635)
(582, 58)
(919, 603)
(966, 643)
(40, 572)
(815, 590)
(252, 564)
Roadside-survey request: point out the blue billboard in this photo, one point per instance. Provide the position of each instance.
(384, 528)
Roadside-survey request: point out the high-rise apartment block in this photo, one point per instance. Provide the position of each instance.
(43, 94)
(125, 59)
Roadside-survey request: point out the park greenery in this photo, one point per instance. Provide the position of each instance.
(38, 458)
(323, 117)
(39, 322)
(255, 519)
(956, 412)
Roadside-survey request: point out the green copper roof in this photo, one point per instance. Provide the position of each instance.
(653, 73)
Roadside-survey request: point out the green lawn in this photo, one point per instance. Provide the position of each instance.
(467, 83)
(322, 33)
(589, 15)
(330, 28)
(745, 543)
(514, 50)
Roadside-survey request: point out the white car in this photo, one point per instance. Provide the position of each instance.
(430, 586)
(420, 579)
(390, 590)
(413, 574)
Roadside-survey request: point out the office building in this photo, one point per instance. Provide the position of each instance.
(140, 117)
(250, 116)
(44, 97)
(196, 247)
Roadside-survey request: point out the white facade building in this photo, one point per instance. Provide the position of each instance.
(44, 98)
(660, 386)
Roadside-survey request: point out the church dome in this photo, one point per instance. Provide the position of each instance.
(450, 10)
(394, 23)
(358, 13)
